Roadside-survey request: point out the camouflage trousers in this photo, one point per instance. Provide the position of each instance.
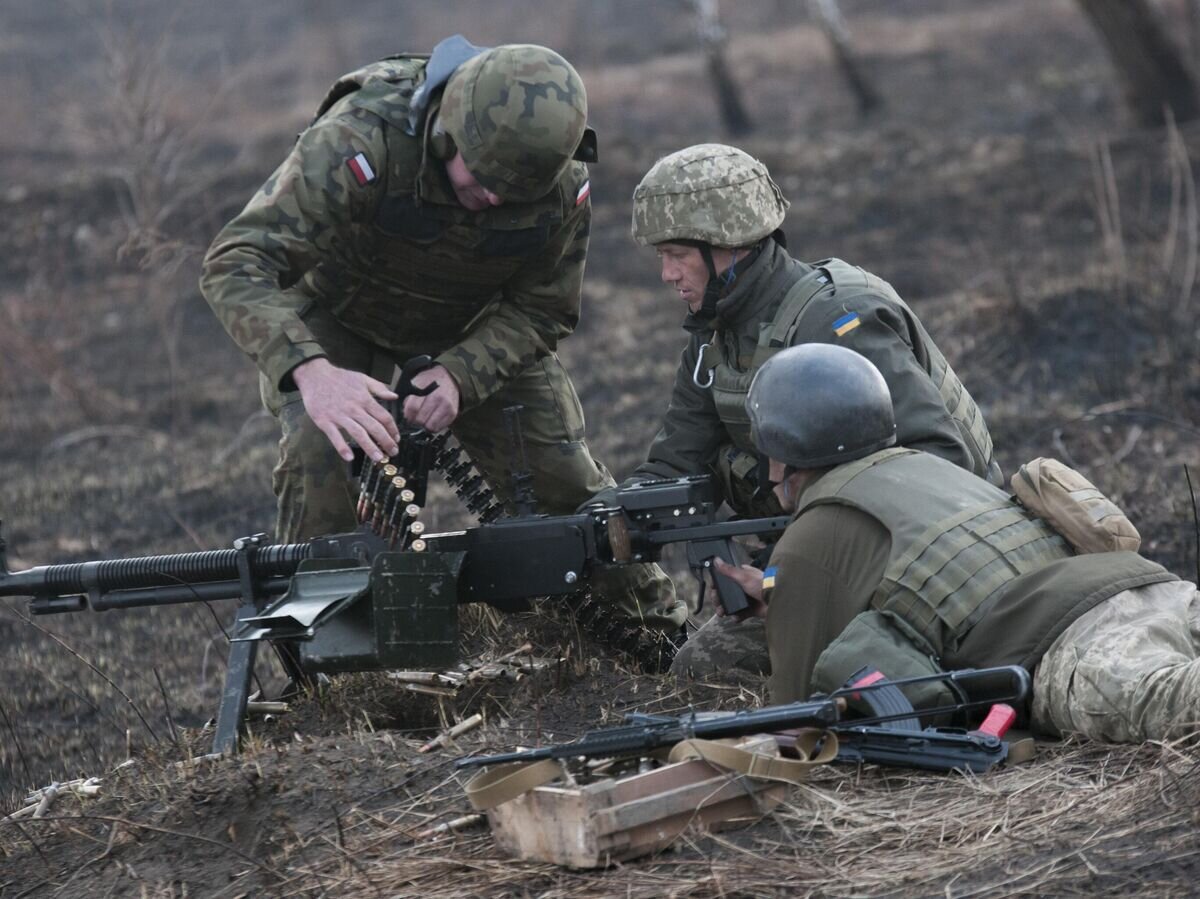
(725, 648)
(316, 495)
(1126, 671)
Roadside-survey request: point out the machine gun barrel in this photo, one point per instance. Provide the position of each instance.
(180, 577)
(150, 571)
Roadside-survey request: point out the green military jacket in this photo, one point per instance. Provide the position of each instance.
(361, 219)
(934, 412)
(910, 564)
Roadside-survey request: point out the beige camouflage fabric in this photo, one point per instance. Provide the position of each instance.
(709, 192)
(1127, 671)
(357, 249)
(517, 115)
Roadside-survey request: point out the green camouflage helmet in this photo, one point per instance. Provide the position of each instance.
(709, 192)
(517, 114)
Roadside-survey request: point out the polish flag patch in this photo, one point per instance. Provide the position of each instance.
(584, 193)
(361, 167)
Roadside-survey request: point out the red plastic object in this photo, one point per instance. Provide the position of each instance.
(998, 720)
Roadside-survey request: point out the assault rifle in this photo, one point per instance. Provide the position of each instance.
(354, 602)
(890, 735)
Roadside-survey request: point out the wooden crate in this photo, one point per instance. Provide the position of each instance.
(623, 818)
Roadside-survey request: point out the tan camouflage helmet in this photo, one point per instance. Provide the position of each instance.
(710, 192)
(517, 114)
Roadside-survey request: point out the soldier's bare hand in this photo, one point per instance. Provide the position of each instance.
(750, 579)
(344, 403)
(437, 411)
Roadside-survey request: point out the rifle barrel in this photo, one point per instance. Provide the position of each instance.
(616, 741)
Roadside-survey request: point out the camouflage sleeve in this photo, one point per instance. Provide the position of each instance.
(691, 431)
(309, 203)
(881, 333)
(538, 306)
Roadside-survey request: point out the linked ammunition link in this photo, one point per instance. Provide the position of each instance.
(452, 461)
(652, 651)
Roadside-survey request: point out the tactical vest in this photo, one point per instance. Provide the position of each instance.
(941, 577)
(792, 324)
(421, 272)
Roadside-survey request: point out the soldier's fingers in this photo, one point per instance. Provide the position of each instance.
(412, 409)
(379, 435)
(381, 415)
(379, 389)
(440, 419)
(360, 435)
(334, 436)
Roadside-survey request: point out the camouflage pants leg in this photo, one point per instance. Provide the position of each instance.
(737, 472)
(564, 476)
(312, 484)
(725, 648)
(1126, 671)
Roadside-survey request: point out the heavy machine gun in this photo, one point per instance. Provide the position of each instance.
(386, 595)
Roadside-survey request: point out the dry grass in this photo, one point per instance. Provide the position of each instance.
(1059, 281)
(1083, 820)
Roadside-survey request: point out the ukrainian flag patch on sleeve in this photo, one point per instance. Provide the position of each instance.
(769, 578)
(846, 324)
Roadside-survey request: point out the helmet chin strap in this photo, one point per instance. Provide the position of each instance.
(719, 284)
(712, 290)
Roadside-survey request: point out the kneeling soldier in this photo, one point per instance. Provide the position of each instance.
(714, 216)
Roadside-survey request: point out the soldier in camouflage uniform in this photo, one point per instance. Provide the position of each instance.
(899, 559)
(435, 206)
(714, 216)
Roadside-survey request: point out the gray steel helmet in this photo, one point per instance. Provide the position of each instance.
(711, 193)
(818, 404)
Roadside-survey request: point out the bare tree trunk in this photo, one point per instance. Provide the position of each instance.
(713, 36)
(1193, 20)
(829, 16)
(1152, 69)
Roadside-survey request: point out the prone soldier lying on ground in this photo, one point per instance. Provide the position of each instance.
(714, 216)
(437, 205)
(897, 556)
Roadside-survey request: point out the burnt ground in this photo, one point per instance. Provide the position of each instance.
(1048, 247)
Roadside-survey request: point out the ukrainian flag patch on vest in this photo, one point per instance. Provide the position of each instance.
(846, 324)
(769, 578)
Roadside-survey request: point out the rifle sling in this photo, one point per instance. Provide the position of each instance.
(813, 746)
(1020, 751)
(492, 786)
